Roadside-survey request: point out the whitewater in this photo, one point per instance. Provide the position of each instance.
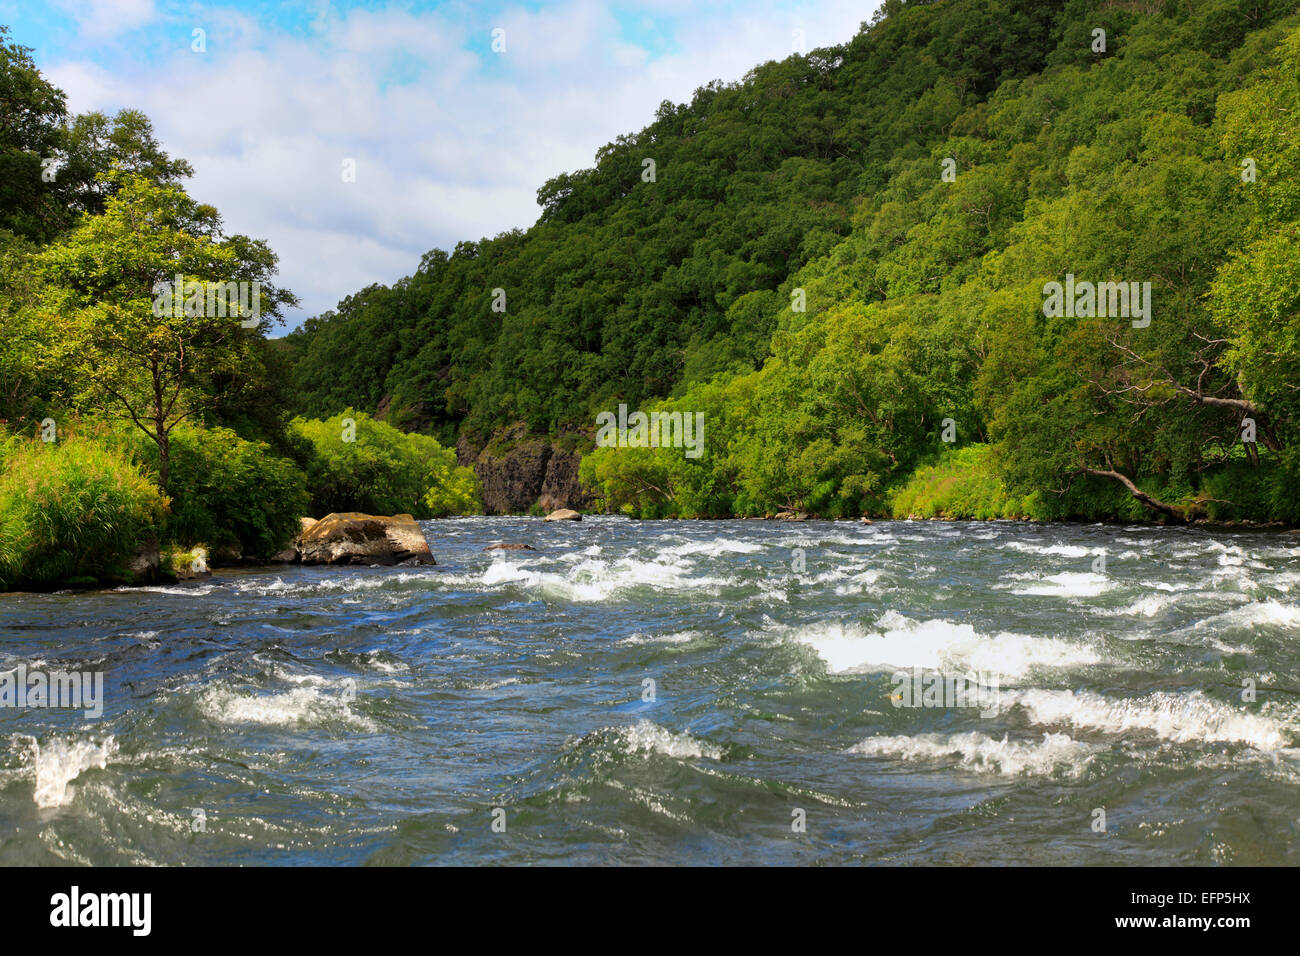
(678, 692)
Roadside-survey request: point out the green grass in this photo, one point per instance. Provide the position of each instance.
(76, 509)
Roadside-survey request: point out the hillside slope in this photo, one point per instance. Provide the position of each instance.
(844, 262)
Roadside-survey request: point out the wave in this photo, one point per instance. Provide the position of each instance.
(678, 637)
(714, 549)
(306, 706)
(1064, 550)
(1148, 606)
(1066, 584)
(1254, 614)
(61, 761)
(645, 737)
(1180, 718)
(897, 641)
(977, 751)
(347, 583)
(596, 580)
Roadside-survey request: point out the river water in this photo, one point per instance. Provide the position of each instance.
(680, 692)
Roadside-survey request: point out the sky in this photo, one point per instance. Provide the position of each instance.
(445, 137)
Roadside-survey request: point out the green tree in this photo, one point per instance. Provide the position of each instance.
(110, 287)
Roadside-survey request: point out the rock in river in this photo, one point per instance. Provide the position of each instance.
(350, 537)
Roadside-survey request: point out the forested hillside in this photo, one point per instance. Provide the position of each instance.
(913, 191)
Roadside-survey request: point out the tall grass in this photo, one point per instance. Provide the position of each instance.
(72, 510)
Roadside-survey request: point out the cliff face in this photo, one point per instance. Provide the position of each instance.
(529, 471)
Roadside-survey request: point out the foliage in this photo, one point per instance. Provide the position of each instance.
(355, 463)
(138, 344)
(73, 509)
(799, 268)
(962, 484)
(231, 494)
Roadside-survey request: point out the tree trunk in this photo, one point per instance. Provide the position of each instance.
(164, 455)
(1172, 511)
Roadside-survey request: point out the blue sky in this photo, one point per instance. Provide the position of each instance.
(449, 139)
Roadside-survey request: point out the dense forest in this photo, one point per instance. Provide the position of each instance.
(987, 258)
(842, 262)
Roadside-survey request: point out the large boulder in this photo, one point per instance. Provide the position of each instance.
(350, 537)
(564, 514)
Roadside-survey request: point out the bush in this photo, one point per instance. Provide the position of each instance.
(231, 494)
(381, 470)
(963, 484)
(72, 510)
(1269, 492)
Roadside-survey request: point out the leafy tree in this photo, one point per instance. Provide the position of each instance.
(110, 290)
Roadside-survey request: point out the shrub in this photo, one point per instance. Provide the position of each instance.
(1269, 492)
(233, 494)
(963, 484)
(75, 509)
(382, 470)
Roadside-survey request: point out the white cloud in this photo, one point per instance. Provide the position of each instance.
(103, 19)
(451, 140)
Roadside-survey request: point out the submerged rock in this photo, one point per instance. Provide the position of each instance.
(564, 514)
(351, 537)
(509, 547)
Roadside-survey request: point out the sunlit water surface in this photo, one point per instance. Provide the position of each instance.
(378, 715)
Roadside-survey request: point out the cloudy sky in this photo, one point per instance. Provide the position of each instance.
(449, 138)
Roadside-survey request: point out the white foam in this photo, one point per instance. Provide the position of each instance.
(596, 580)
(1065, 550)
(680, 637)
(977, 751)
(1181, 718)
(195, 590)
(307, 706)
(347, 583)
(1254, 614)
(61, 761)
(858, 583)
(648, 737)
(715, 548)
(1066, 584)
(1148, 606)
(897, 641)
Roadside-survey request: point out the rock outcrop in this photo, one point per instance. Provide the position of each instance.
(517, 472)
(564, 514)
(351, 537)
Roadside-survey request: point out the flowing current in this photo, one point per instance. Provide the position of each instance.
(679, 692)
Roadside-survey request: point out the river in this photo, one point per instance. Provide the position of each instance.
(680, 692)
